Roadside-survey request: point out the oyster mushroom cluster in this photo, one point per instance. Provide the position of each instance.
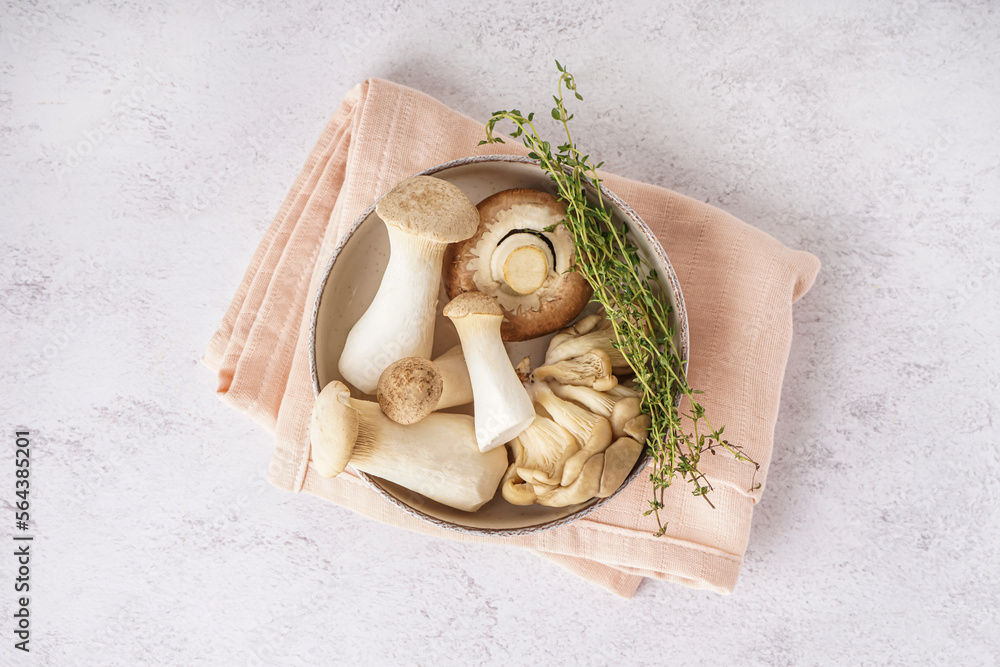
(588, 430)
(573, 431)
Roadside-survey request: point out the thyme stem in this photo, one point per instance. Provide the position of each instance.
(628, 289)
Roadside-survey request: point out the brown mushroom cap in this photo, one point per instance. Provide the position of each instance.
(409, 390)
(472, 303)
(564, 296)
(429, 207)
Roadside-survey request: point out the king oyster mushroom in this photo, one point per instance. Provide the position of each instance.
(502, 406)
(437, 457)
(423, 215)
(521, 254)
(412, 388)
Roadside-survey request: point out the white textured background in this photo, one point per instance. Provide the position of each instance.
(145, 147)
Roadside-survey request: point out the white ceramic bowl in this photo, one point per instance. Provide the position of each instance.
(349, 285)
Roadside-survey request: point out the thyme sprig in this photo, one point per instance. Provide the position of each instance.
(627, 288)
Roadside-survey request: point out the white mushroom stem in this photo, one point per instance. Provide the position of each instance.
(400, 320)
(523, 262)
(455, 376)
(502, 406)
(422, 214)
(437, 457)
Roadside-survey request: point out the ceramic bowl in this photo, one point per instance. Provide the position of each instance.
(352, 278)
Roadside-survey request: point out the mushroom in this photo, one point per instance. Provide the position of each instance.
(591, 369)
(573, 433)
(539, 455)
(619, 460)
(621, 391)
(628, 419)
(502, 406)
(584, 486)
(457, 388)
(593, 332)
(623, 408)
(409, 390)
(437, 457)
(598, 402)
(523, 255)
(541, 451)
(515, 490)
(423, 215)
(593, 432)
(412, 388)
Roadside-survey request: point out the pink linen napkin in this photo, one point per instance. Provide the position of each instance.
(739, 285)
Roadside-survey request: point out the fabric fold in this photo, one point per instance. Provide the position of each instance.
(739, 285)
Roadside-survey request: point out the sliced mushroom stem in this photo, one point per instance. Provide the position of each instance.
(437, 457)
(523, 262)
(502, 406)
(523, 254)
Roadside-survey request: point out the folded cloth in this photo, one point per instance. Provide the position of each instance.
(739, 285)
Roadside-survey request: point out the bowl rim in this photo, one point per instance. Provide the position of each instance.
(681, 312)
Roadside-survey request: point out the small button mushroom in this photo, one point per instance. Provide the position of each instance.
(523, 255)
(423, 215)
(412, 388)
(437, 457)
(502, 406)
